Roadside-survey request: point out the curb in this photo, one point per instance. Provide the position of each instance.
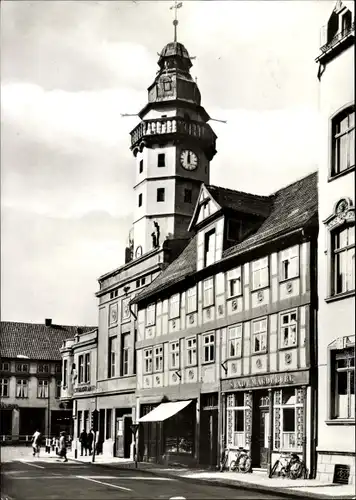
(229, 483)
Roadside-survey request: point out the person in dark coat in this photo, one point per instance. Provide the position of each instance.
(90, 439)
(83, 439)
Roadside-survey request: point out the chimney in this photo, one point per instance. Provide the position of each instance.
(48, 321)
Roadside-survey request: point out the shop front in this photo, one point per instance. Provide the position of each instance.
(268, 415)
(167, 432)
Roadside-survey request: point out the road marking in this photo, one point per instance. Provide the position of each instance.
(32, 465)
(105, 484)
(177, 498)
(133, 478)
(42, 477)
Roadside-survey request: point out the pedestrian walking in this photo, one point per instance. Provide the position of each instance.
(83, 439)
(36, 443)
(48, 445)
(90, 439)
(63, 446)
(53, 443)
(57, 446)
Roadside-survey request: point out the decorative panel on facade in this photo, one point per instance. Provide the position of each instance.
(248, 417)
(277, 420)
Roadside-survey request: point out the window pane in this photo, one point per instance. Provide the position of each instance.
(352, 148)
(342, 399)
(288, 397)
(343, 152)
(239, 421)
(288, 420)
(239, 399)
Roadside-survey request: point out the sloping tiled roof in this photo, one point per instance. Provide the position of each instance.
(37, 341)
(240, 201)
(292, 207)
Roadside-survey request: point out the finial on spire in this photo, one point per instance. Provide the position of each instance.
(177, 5)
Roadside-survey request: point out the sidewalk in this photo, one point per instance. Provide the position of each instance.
(307, 488)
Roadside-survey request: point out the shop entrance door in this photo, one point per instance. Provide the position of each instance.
(123, 436)
(260, 429)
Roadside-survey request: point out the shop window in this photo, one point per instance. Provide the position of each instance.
(237, 420)
(174, 354)
(174, 306)
(21, 388)
(343, 141)
(4, 388)
(288, 329)
(234, 286)
(259, 336)
(209, 348)
(191, 300)
(191, 351)
(289, 263)
(343, 383)
(289, 408)
(158, 358)
(235, 341)
(79, 422)
(208, 292)
(179, 432)
(112, 356)
(147, 360)
(209, 248)
(151, 315)
(260, 277)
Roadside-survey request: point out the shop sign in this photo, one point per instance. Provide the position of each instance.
(272, 380)
(84, 388)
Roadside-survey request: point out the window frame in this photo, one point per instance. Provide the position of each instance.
(24, 386)
(205, 289)
(65, 373)
(234, 341)
(335, 120)
(43, 368)
(288, 325)
(125, 354)
(148, 360)
(174, 303)
(286, 255)
(192, 350)
(19, 368)
(150, 321)
(81, 369)
(42, 388)
(5, 364)
(140, 199)
(161, 164)
(230, 279)
(140, 166)
(342, 250)
(161, 195)
(189, 298)
(58, 389)
(4, 383)
(208, 354)
(112, 355)
(209, 238)
(87, 367)
(260, 332)
(174, 355)
(258, 268)
(337, 348)
(188, 195)
(158, 356)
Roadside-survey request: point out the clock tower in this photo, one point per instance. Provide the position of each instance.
(173, 146)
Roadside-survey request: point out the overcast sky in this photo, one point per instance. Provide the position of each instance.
(68, 70)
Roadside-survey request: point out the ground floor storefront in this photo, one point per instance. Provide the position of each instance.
(114, 437)
(179, 431)
(268, 415)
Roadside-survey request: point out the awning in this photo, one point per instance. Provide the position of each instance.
(164, 411)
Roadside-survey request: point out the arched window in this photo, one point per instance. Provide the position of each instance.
(343, 141)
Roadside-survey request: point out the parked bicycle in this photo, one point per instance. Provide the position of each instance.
(289, 465)
(224, 459)
(242, 462)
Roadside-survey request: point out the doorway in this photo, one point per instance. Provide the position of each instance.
(208, 452)
(123, 436)
(260, 429)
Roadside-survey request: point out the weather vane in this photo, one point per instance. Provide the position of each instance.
(177, 5)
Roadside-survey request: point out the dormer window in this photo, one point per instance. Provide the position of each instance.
(206, 209)
(209, 248)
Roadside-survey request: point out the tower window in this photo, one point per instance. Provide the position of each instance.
(160, 194)
(187, 196)
(161, 162)
(140, 200)
(141, 166)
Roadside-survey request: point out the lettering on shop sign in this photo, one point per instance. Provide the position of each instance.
(84, 388)
(272, 380)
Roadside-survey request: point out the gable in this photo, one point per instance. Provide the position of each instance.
(206, 206)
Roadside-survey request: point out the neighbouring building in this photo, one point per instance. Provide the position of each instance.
(31, 375)
(172, 145)
(226, 335)
(336, 255)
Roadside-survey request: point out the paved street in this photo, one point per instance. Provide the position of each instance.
(49, 479)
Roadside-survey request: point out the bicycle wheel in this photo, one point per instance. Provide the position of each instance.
(296, 470)
(274, 468)
(247, 465)
(233, 466)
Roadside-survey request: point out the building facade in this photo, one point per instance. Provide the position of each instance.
(227, 333)
(31, 377)
(172, 146)
(336, 256)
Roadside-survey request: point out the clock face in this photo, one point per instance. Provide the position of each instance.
(188, 159)
(138, 251)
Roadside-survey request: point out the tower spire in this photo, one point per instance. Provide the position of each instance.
(177, 5)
